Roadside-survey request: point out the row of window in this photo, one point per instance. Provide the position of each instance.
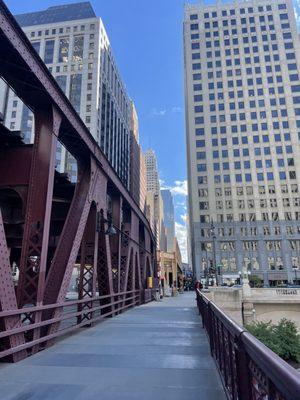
(215, 142)
(235, 140)
(262, 126)
(247, 60)
(254, 231)
(244, 39)
(235, 51)
(62, 30)
(242, 204)
(246, 153)
(251, 264)
(232, 94)
(246, 177)
(251, 217)
(238, 165)
(241, 21)
(242, 11)
(245, 30)
(248, 190)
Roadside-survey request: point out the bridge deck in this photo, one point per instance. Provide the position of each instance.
(156, 351)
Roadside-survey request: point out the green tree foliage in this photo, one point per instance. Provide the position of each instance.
(282, 338)
(255, 281)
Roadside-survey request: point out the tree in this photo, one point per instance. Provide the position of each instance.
(282, 338)
(288, 339)
(255, 281)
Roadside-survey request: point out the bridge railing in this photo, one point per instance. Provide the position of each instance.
(249, 370)
(69, 315)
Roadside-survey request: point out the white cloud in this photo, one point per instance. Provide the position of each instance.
(155, 112)
(183, 217)
(181, 234)
(158, 113)
(176, 110)
(178, 189)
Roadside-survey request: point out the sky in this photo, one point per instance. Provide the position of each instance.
(146, 38)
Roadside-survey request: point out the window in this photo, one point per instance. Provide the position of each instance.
(49, 51)
(202, 180)
(78, 48)
(200, 143)
(63, 55)
(75, 91)
(62, 81)
(36, 46)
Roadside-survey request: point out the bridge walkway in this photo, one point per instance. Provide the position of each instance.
(155, 351)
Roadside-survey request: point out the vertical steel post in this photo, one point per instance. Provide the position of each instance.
(38, 210)
(8, 300)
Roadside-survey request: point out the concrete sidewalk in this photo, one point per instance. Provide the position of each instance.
(156, 351)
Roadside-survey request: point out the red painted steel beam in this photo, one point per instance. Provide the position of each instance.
(38, 211)
(10, 161)
(8, 299)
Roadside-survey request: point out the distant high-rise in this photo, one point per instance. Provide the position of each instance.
(242, 91)
(155, 207)
(152, 171)
(74, 45)
(169, 219)
(137, 162)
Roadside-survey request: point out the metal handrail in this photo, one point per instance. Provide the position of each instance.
(116, 303)
(67, 303)
(249, 370)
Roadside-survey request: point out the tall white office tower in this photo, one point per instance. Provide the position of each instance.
(154, 202)
(242, 93)
(74, 45)
(169, 218)
(152, 171)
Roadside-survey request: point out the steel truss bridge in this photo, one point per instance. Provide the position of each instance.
(48, 225)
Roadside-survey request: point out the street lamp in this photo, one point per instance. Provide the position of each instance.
(249, 274)
(213, 235)
(240, 277)
(295, 271)
(111, 229)
(206, 277)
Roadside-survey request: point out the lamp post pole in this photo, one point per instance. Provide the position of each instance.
(213, 235)
(206, 277)
(295, 271)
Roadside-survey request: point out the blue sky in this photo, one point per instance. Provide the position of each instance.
(146, 37)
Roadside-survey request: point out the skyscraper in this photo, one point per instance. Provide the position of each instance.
(137, 162)
(74, 45)
(169, 219)
(152, 171)
(155, 207)
(242, 91)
